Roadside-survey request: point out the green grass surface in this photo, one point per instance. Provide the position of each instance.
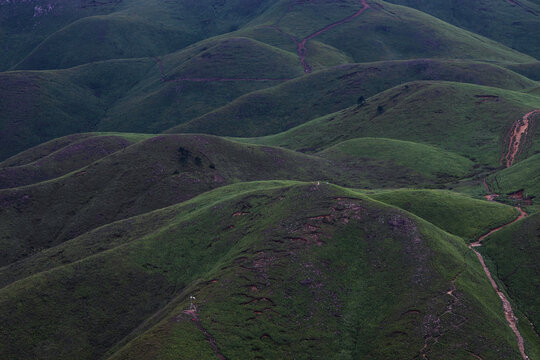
(108, 227)
(319, 297)
(386, 33)
(52, 38)
(530, 70)
(388, 37)
(469, 120)
(456, 213)
(523, 176)
(514, 24)
(270, 110)
(66, 159)
(37, 106)
(226, 68)
(150, 174)
(513, 252)
(423, 159)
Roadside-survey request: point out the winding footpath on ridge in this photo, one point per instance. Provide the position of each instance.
(515, 140)
(301, 46)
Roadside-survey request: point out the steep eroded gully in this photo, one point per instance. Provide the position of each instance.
(518, 133)
(516, 138)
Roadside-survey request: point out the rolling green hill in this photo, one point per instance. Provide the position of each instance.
(197, 80)
(268, 111)
(513, 23)
(428, 161)
(388, 31)
(66, 157)
(269, 179)
(148, 175)
(260, 282)
(48, 36)
(469, 120)
(514, 255)
(37, 106)
(458, 214)
(97, 180)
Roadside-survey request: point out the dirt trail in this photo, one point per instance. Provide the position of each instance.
(507, 308)
(209, 337)
(517, 135)
(508, 312)
(301, 45)
(516, 138)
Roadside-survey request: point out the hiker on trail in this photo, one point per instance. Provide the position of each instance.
(191, 305)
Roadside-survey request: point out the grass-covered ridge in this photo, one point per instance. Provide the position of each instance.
(470, 120)
(514, 24)
(456, 213)
(270, 110)
(513, 251)
(142, 173)
(300, 167)
(427, 160)
(276, 278)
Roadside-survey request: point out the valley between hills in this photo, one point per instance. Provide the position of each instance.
(269, 179)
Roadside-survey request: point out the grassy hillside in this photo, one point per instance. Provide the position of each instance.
(325, 225)
(148, 175)
(513, 252)
(154, 172)
(469, 120)
(386, 29)
(280, 286)
(24, 24)
(143, 95)
(270, 110)
(458, 214)
(198, 79)
(522, 177)
(513, 23)
(119, 37)
(74, 155)
(37, 106)
(426, 160)
(46, 37)
(531, 70)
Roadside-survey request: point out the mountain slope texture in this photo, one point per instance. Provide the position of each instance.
(269, 179)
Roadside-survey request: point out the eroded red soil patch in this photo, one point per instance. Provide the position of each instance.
(517, 137)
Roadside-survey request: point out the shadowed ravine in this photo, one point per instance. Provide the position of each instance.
(515, 140)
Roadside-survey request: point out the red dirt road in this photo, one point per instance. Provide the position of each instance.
(507, 307)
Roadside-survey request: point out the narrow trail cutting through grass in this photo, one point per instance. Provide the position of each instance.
(209, 337)
(516, 139)
(301, 46)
